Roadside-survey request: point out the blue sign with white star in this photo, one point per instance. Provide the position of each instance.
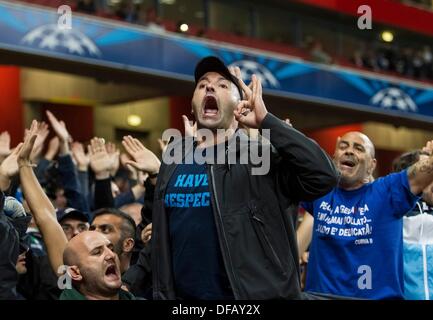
(36, 31)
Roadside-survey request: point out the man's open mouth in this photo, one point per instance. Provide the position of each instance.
(111, 272)
(348, 163)
(210, 106)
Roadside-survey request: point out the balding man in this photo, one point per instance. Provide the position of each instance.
(91, 264)
(93, 268)
(356, 248)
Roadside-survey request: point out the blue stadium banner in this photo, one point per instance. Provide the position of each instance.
(117, 45)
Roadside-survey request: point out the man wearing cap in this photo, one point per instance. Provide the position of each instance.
(220, 232)
(72, 221)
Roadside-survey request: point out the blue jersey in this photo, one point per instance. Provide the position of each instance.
(357, 245)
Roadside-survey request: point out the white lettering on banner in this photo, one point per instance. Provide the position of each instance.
(343, 221)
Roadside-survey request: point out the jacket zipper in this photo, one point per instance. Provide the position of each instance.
(222, 237)
(268, 243)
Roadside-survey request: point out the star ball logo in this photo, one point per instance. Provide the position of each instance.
(393, 97)
(248, 68)
(61, 36)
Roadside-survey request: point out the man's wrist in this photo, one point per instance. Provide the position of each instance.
(26, 164)
(50, 156)
(64, 148)
(102, 175)
(82, 168)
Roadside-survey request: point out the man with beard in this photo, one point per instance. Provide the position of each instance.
(93, 268)
(357, 240)
(116, 225)
(119, 228)
(91, 265)
(219, 231)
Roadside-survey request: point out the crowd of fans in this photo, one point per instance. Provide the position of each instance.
(102, 224)
(407, 62)
(129, 11)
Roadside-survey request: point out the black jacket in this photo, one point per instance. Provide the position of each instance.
(40, 281)
(252, 214)
(9, 250)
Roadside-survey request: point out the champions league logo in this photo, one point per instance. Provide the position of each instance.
(52, 37)
(394, 97)
(248, 68)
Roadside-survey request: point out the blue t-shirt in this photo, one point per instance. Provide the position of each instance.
(198, 266)
(357, 245)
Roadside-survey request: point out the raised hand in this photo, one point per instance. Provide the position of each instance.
(144, 159)
(114, 155)
(247, 90)
(162, 145)
(190, 130)
(146, 233)
(82, 159)
(53, 148)
(251, 111)
(42, 134)
(59, 127)
(5, 145)
(27, 147)
(428, 147)
(100, 161)
(9, 168)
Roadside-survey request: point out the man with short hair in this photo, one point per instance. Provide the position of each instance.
(417, 236)
(219, 231)
(93, 268)
(119, 228)
(357, 247)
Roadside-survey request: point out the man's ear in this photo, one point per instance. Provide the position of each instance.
(372, 166)
(74, 273)
(128, 245)
(336, 145)
(192, 108)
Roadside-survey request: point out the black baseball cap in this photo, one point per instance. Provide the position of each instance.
(214, 64)
(72, 214)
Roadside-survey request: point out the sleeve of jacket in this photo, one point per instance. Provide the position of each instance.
(147, 209)
(103, 197)
(124, 198)
(138, 277)
(83, 178)
(40, 170)
(305, 169)
(9, 243)
(71, 184)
